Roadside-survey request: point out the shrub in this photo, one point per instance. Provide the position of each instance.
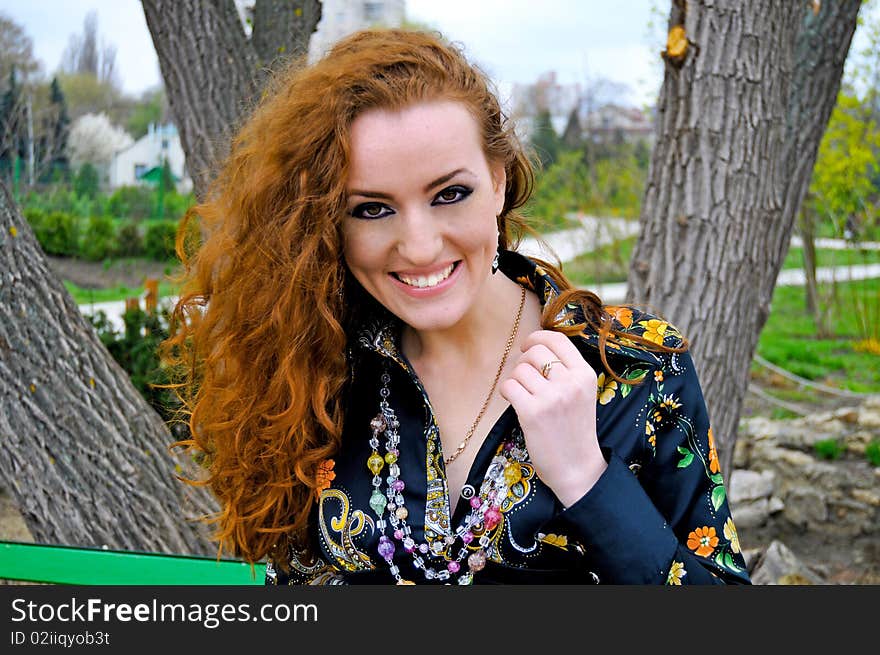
(99, 241)
(129, 242)
(131, 202)
(36, 218)
(159, 240)
(59, 234)
(828, 449)
(86, 182)
(176, 204)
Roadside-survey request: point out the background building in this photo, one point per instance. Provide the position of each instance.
(160, 143)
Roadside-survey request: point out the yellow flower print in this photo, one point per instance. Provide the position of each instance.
(676, 573)
(649, 430)
(655, 329)
(605, 389)
(666, 407)
(324, 476)
(731, 535)
(670, 403)
(714, 466)
(558, 540)
(622, 315)
(658, 376)
(703, 541)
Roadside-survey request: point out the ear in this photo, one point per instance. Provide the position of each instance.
(499, 185)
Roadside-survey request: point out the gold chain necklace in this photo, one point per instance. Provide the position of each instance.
(473, 428)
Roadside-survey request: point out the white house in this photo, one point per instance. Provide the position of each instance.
(159, 144)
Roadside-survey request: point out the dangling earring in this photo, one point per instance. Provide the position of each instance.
(497, 249)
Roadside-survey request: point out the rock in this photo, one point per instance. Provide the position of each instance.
(778, 565)
(805, 505)
(867, 497)
(869, 417)
(746, 485)
(750, 515)
(775, 505)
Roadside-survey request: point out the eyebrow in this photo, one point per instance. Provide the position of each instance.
(431, 185)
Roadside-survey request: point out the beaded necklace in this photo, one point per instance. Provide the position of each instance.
(485, 515)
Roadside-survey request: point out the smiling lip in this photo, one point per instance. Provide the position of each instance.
(421, 291)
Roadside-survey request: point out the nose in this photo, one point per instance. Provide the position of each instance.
(419, 238)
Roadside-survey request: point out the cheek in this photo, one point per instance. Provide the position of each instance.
(354, 248)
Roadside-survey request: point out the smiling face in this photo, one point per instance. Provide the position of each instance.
(421, 229)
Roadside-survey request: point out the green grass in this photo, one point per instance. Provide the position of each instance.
(825, 257)
(85, 296)
(608, 263)
(789, 338)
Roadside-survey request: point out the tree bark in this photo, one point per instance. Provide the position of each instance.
(739, 121)
(213, 71)
(81, 452)
(283, 29)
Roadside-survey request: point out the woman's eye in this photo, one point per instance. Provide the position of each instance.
(452, 194)
(371, 210)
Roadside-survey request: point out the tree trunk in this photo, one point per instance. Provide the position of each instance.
(807, 225)
(739, 121)
(213, 72)
(81, 452)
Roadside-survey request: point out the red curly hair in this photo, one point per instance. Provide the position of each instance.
(258, 334)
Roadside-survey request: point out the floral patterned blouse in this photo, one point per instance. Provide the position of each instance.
(658, 515)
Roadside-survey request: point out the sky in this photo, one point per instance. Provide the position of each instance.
(515, 41)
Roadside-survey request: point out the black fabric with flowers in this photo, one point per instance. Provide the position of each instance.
(658, 515)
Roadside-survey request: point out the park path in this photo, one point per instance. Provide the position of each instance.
(568, 244)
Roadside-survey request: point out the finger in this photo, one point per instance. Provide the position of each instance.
(559, 344)
(516, 394)
(529, 377)
(540, 356)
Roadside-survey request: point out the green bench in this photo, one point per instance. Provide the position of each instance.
(96, 566)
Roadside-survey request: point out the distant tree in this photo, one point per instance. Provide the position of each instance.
(150, 108)
(94, 139)
(13, 128)
(86, 94)
(55, 132)
(83, 55)
(86, 182)
(563, 187)
(16, 51)
(543, 139)
(573, 134)
(748, 88)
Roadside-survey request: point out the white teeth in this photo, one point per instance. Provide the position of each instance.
(428, 281)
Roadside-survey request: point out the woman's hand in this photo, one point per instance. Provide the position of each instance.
(557, 412)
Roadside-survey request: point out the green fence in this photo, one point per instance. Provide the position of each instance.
(96, 566)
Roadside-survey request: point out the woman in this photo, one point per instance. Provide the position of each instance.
(385, 391)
